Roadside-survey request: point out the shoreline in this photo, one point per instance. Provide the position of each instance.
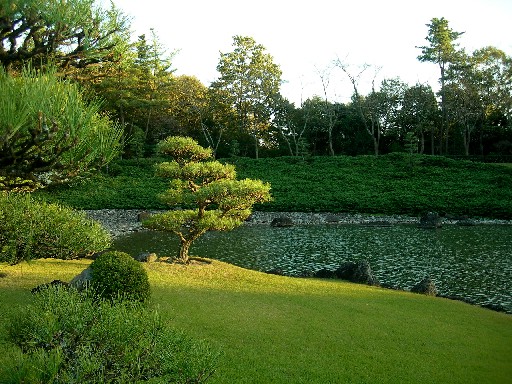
(119, 222)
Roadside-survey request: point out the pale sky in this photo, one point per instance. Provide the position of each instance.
(305, 37)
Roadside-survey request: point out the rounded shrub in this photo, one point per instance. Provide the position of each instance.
(116, 275)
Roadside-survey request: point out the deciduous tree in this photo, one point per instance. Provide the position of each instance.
(419, 114)
(252, 80)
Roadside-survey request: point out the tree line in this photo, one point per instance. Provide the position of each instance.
(242, 112)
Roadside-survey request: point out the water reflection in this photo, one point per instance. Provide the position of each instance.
(471, 262)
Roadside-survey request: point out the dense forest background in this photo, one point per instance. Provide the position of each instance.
(242, 112)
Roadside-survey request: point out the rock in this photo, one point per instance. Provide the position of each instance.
(324, 273)
(359, 272)
(83, 280)
(146, 257)
(345, 271)
(426, 287)
(363, 274)
(332, 218)
(275, 271)
(466, 222)
(377, 223)
(430, 220)
(54, 283)
(144, 215)
(282, 222)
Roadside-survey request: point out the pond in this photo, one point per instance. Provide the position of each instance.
(473, 262)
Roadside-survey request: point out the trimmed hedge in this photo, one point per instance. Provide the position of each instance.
(117, 275)
(31, 229)
(396, 183)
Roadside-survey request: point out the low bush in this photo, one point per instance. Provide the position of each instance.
(67, 338)
(32, 230)
(118, 275)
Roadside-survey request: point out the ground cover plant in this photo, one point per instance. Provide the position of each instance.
(290, 330)
(389, 184)
(67, 337)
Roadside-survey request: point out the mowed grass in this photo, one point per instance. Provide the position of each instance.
(275, 329)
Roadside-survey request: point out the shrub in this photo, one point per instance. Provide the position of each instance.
(33, 230)
(50, 132)
(118, 275)
(67, 338)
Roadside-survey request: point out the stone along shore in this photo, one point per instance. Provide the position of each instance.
(123, 221)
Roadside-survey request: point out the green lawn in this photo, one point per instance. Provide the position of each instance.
(276, 329)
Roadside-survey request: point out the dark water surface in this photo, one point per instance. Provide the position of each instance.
(473, 262)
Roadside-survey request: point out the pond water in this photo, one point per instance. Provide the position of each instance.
(474, 263)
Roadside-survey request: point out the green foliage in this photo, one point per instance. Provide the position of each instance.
(66, 338)
(249, 80)
(31, 230)
(136, 144)
(125, 184)
(72, 33)
(383, 185)
(183, 149)
(118, 275)
(49, 133)
(217, 200)
(367, 184)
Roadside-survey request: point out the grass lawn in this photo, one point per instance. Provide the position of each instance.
(275, 329)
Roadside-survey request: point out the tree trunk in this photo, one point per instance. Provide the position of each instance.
(256, 146)
(443, 112)
(146, 131)
(183, 256)
(331, 149)
(467, 139)
(432, 143)
(376, 146)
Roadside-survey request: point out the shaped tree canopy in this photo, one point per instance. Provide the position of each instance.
(206, 192)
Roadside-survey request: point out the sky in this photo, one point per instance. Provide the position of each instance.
(305, 37)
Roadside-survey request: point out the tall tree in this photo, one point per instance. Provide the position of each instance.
(419, 114)
(214, 199)
(441, 50)
(366, 106)
(290, 125)
(479, 87)
(251, 80)
(153, 65)
(329, 108)
(72, 33)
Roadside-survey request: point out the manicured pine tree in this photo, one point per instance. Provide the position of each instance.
(206, 192)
